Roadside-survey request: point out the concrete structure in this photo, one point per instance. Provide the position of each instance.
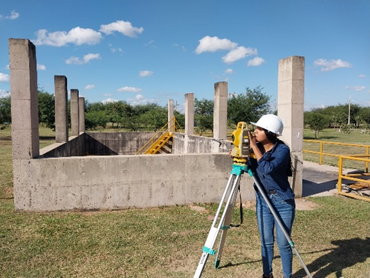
(220, 110)
(81, 114)
(61, 109)
(74, 174)
(290, 110)
(171, 124)
(189, 114)
(24, 99)
(75, 117)
(189, 119)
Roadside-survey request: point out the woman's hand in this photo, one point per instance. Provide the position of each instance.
(252, 141)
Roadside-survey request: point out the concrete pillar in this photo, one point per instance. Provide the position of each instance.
(171, 124)
(61, 109)
(290, 110)
(75, 129)
(189, 114)
(81, 117)
(220, 110)
(24, 99)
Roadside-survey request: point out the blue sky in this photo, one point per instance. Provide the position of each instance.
(151, 51)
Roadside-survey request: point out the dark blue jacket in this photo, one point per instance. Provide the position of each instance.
(272, 170)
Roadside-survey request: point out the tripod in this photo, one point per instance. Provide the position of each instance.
(223, 224)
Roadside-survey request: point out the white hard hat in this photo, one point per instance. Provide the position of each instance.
(271, 123)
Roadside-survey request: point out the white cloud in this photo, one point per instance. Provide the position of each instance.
(89, 87)
(77, 36)
(359, 88)
(212, 44)
(129, 89)
(229, 71)
(4, 77)
(331, 65)
(87, 58)
(123, 27)
(238, 53)
(151, 44)
(256, 61)
(114, 50)
(4, 93)
(13, 15)
(180, 47)
(140, 99)
(109, 100)
(346, 87)
(144, 73)
(361, 75)
(41, 67)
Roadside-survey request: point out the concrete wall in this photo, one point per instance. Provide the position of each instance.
(99, 143)
(123, 143)
(123, 181)
(198, 144)
(117, 182)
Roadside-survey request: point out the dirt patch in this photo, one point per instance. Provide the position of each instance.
(304, 204)
(198, 209)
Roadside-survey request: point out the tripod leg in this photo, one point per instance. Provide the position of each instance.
(226, 225)
(277, 218)
(215, 229)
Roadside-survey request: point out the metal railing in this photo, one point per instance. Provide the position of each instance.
(321, 153)
(171, 125)
(353, 177)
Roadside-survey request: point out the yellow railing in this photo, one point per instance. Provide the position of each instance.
(168, 127)
(352, 177)
(321, 153)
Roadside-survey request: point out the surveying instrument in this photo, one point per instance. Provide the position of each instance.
(221, 222)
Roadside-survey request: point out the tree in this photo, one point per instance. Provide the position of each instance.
(316, 121)
(248, 107)
(5, 110)
(46, 109)
(203, 115)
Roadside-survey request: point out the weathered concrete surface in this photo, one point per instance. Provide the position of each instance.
(24, 100)
(75, 118)
(198, 144)
(290, 110)
(61, 109)
(117, 182)
(220, 110)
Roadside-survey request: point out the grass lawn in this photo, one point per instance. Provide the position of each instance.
(333, 239)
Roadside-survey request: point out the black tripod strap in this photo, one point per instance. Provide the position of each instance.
(240, 211)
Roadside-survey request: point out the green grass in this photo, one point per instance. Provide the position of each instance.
(332, 135)
(333, 239)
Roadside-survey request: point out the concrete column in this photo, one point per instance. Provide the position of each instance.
(81, 109)
(290, 110)
(171, 125)
(24, 99)
(189, 114)
(61, 109)
(220, 110)
(75, 129)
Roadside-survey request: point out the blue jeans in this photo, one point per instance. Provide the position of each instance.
(266, 223)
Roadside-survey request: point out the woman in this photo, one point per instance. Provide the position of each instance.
(272, 166)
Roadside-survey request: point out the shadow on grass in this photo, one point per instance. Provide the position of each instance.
(320, 137)
(47, 137)
(347, 253)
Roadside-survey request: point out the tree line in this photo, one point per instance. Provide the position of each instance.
(247, 107)
(344, 117)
